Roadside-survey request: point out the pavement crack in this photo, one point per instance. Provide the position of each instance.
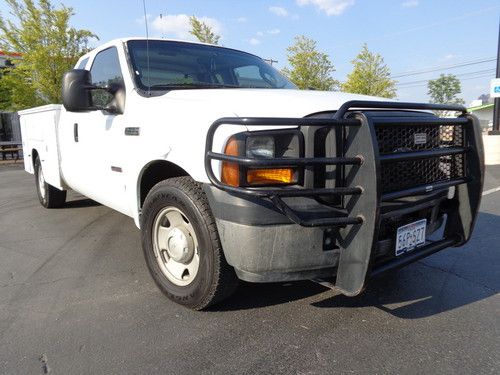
(459, 276)
(66, 243)
(14, 242)
(24, 284)
(47, 261)
(17, 252)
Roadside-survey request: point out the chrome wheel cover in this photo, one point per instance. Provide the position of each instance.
(175, 246)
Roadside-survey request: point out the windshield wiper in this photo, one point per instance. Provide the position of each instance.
(194, 85)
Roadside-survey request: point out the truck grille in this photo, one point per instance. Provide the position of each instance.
(394, 138)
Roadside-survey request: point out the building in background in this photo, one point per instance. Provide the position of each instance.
(484, 113)
(8, 60)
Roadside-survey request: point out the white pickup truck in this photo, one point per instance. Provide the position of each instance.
(232, 173)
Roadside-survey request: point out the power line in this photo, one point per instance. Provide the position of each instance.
(457, 75)
(445, 67)
(464, 79)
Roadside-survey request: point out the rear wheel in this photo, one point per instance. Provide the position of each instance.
(48, 195)
(182, 247)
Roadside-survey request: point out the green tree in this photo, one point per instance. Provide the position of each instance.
(5, 92)
(370, 76)
(445, 90)
(49, 47)
(309, 68)
(202, 31)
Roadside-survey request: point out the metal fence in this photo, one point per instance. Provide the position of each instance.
(10, 129)
(10, 137)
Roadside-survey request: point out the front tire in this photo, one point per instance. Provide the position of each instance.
(48, 195)
(182, 246)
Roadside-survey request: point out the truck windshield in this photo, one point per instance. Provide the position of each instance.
(179, 65)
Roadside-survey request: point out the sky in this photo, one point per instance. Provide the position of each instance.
(413, 36)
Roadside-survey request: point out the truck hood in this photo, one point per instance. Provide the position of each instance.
(266, 102)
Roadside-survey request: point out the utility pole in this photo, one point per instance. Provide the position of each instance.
(496, 108)
(270, 61)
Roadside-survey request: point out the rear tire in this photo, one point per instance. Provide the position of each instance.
(48, 195)
(182, 246)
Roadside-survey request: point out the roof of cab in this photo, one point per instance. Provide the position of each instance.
(114, 42)
(124, 40)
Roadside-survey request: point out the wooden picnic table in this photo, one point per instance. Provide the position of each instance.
(10, 147)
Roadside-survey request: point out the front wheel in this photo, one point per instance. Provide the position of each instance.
(48, 195)
(182, 247)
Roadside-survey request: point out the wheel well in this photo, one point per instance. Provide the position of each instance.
(155, 172)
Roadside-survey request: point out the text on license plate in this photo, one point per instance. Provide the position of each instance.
(410, 236)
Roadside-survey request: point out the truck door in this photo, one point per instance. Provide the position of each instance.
(97, 137)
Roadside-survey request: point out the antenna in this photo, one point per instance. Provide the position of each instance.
(147, 46)
(164, 35)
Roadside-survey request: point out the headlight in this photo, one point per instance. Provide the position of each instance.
(260, 147)
(271, 144)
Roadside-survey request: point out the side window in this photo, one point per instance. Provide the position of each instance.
(82, 64)
(105, 71)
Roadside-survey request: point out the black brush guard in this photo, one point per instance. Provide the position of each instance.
(362, 191)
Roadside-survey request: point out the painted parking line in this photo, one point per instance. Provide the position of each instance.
(491, 191)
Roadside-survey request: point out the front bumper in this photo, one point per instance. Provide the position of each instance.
(263, 245)
(268, 251)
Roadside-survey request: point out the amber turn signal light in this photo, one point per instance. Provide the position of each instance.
(270, 176)
(230, 173)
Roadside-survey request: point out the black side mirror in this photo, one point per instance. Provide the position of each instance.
(77, 94)
(76, 91)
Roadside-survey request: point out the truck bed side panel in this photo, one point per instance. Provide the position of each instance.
(39, 133)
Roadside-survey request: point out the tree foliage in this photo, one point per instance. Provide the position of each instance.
(370, 76)
(49, 47)
(202, 31)
(309, 68)
(5, 92)
(445, 89)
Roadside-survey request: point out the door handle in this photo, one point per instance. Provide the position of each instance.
(75, 132)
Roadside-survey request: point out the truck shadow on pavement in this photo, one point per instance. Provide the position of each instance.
(445, 281)
(81, 203)
(414, 293)
(448, 280)
(253, 296)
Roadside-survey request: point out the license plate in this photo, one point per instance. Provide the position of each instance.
(410, 236)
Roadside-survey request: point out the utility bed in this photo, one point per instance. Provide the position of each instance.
(39, 129)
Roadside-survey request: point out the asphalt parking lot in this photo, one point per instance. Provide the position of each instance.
(76, 298)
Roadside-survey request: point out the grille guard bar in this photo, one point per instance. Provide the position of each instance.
(358, 227)
(276, 194)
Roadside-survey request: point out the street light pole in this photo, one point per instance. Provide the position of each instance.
(496, 107)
